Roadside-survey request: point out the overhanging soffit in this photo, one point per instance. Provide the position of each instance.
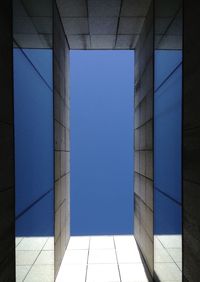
(92, 24)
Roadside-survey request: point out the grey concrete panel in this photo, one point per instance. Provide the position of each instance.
(75, 25)
(38, 9)
(18, 9)
(7, 196)
(7, 149)
(72, 8)
(42, 24)
(126, 41)
(143, 216)
(30, 40)
(191, 143)
(149, 135)
(23, 25)
(137, 139)
(6, 97)
(130, 25)
(149, 193)
(161, 25)
(104, 11)
(102, 41)
(79, 42)
(61, 141)
(164, 9)
(169, 42)
(102, 25)
(104, 8)
(192, 154)
(135, 8)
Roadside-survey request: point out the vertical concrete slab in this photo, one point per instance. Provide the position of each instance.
(191, 143)
(61, 139)
(143, 214)
(7, 198)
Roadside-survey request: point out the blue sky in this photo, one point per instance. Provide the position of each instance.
(102, 91)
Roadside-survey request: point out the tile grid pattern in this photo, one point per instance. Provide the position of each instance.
(7, 205)
(32, 23)
(34, 259)
(31, 267)
(102, 259)
(61, 139)
(143, 180)
(117, 260)
(102, 24)
(168, 257)
(87, 260)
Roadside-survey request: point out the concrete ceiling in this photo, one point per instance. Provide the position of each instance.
(102, 24)
(168, 24)
(96, 24)
(32, 23)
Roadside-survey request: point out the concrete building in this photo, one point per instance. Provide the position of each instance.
(164, 35)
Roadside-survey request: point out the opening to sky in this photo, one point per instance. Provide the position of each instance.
(101, 117)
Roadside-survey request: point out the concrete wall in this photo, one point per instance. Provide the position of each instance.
(7, 204)
(191, 143)
(61, 139)
(143, 216)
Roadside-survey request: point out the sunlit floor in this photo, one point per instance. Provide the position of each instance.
(96, 259)
(168, 257)
(102, 259)
(34, 259)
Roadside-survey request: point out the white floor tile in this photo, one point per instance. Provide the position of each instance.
(176, 254)
(168, 272)
(21, 272)
(157, 243)
(102, 242)
(18, 240)
(71, 273)
(26, 257)
(125, 242)
(41, 273)
(103, 273)
(49, 245)
(128, 255)
(32, 243)
(75, 257)
(45, 257)
(102, 263)
(170, 241)
(78, 243)
(161, 255)
(180, 265)
(132, 273)
(102, 256)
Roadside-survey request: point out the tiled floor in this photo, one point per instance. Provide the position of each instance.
(96, 259)
(102, 259)
(168, 257)
(34, 259)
